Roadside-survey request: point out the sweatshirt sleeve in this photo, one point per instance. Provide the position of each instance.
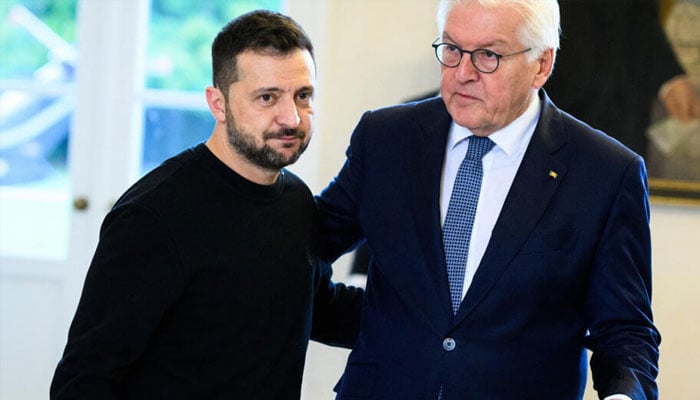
(131, 282)
(336, 312)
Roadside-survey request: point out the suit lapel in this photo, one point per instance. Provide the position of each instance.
(426, 165)
(536, 181)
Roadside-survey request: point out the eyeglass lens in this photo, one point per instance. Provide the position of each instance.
(482, 59)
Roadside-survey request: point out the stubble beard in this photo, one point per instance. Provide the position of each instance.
(264, 157)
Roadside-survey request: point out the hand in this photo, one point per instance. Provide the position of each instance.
(678, 95)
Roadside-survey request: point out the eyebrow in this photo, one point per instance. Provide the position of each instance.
(309, 88)
(497, 42)
(275, 89)
(266, 90)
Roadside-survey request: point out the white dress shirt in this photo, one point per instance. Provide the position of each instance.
(500, 166)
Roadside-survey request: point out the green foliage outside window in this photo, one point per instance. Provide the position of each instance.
(181, 32)
(179, 38)
(22, 54)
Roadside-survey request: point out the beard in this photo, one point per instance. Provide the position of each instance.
(264, 157)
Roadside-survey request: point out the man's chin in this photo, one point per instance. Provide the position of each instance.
(283, 159)
(290, 151)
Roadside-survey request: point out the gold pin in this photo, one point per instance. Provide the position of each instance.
(553, 174)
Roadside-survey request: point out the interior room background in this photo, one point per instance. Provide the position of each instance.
(93, 93)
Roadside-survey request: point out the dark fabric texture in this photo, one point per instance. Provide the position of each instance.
(568, 267)
(203, 286)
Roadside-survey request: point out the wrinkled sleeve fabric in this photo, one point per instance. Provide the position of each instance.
(132, 280)
(622, 335)
(337, 307)
(336, 312)
(338, 202)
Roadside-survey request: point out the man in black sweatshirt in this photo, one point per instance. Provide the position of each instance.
(206, 282)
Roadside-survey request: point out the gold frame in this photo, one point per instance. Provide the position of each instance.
(668, 191)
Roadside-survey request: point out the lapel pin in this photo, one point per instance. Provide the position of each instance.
(553, 174)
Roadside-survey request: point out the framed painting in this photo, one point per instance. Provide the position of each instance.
(673, 156)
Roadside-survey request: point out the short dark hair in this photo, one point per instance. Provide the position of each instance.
(261, 31)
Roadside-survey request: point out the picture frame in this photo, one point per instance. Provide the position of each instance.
(673, 158)
(669, 191)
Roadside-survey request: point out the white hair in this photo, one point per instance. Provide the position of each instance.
(540, 30)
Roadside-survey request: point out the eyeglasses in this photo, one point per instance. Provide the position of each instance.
(484, 60)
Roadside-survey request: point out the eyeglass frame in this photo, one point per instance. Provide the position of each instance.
(471, 55)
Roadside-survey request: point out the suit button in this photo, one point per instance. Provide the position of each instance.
(449, 344)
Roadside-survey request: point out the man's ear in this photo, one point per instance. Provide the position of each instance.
(545, 64)
(217, 103)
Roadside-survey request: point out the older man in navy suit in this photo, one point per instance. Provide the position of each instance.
(556, 257)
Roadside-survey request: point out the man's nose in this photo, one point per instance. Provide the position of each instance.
(288, 114)
(466, 71)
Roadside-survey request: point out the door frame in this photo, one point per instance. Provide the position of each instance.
(38, 296)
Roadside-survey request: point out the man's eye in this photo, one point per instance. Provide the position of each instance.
(489, 54)
(451, 49)
(305, 96)
(266, 98)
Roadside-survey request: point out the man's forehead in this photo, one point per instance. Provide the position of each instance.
(484, 26)
(280, 71)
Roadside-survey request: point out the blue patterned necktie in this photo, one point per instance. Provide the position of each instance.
(457, 230)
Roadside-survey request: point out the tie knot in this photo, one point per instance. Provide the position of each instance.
(478, 147)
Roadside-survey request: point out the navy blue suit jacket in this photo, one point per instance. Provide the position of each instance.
(568, 266)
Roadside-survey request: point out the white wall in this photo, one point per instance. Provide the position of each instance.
(676, 300)
(372, 53)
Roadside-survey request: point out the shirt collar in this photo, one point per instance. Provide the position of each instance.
(512, 138)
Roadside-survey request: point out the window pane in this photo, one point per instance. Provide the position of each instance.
(36, 104)
(170, 130)
(180, 36)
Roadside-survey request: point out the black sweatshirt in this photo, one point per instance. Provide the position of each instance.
(204, 286)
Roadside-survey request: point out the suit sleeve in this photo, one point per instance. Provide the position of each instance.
(622, 335)
(338, 202)
(125, 295)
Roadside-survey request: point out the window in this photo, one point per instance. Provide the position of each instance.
(38, 96)
(35, 89)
